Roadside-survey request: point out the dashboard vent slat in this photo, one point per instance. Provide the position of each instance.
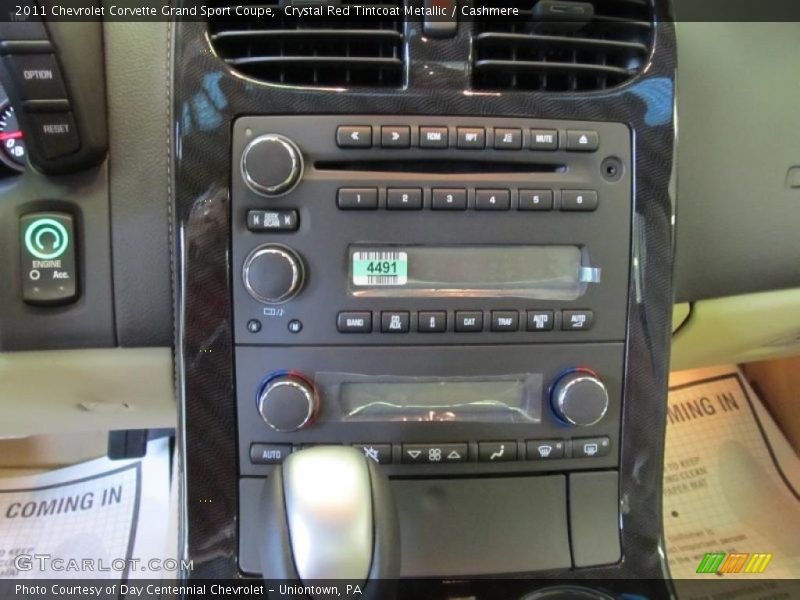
(312, 52)
(607, 46)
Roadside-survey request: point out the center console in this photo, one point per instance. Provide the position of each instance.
(472, 290)
(448, 294)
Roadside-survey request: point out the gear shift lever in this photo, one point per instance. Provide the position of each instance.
(328, 513)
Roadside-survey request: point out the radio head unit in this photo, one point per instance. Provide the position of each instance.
(448, 295)
(431, 289)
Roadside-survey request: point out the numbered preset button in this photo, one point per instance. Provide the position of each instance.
(492, 199)
(536, 199)
(357, 198)
(404, 199)
(446, 199)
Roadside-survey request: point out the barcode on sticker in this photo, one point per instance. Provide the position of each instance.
(380, 268)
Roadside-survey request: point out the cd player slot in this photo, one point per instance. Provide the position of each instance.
(439, 167)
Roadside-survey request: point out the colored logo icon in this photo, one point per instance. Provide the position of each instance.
(742, 562)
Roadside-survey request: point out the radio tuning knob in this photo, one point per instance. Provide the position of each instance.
(288, 402)
(273, 274)
(579, 397)
(272, 165)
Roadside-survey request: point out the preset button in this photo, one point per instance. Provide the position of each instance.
(579, 200)
(492, 199)
(357, 198)
(536, 199)
(449, 199)
(404, 199)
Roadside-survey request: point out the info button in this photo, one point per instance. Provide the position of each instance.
(354, 322)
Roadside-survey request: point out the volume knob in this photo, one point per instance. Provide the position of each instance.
(287, 402)
(273, 274)
(579, 398)
(272, 165)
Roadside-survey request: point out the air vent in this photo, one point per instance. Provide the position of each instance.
(561, 46)
(309, 52)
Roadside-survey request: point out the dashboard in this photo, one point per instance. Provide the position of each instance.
(451, 245)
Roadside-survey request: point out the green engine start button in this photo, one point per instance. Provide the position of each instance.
(46, 238)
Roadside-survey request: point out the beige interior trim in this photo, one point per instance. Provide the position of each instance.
(680, 312)
(739, 329)
(86, 390)
(778, 386)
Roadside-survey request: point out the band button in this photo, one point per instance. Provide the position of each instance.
(354, 322)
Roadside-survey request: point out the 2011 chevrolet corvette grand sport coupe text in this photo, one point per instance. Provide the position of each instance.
(400, 299)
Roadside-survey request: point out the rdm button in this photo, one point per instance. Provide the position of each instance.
(47, 254)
